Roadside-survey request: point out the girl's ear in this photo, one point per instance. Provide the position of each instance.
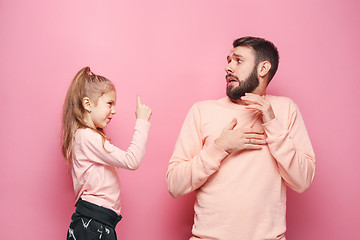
(86, 104)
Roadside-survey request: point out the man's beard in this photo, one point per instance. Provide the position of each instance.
(246, 86)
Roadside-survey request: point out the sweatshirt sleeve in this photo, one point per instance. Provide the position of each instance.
(92, 147)
(291, 147)
(192, 163)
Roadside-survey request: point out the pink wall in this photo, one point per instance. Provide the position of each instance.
(173, 53)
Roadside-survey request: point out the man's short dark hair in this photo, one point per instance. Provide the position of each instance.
(264, 51)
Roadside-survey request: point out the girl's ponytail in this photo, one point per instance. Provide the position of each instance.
(84, 84)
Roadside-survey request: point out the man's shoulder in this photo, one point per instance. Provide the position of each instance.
(206, 102)
(280, 99)
(282, 104)
(210, 103)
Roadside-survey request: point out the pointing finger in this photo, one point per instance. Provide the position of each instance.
(138, 100)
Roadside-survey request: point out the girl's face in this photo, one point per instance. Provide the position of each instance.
(102, 112)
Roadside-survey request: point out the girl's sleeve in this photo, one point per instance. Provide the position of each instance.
(291, 147)
(192, 162)
(92, 145)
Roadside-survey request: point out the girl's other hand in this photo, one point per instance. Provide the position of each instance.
(142, 111)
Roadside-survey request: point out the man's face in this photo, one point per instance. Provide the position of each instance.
(241, 72)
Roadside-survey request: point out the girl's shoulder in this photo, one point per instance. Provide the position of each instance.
(87, 134)
(83, 131)
(88, 143)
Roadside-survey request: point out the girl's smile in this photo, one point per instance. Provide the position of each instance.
(102, 112)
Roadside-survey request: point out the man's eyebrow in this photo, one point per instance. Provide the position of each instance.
(238, 55)
(234, 55)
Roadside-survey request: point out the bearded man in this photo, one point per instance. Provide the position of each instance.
(240, 153)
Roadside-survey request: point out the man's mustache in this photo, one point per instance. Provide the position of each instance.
(231, 76)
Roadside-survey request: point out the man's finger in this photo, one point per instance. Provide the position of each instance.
(254, 98)
(251, 100)
(255, 130)
(232, 124)
(255, 136)
(254, 107)
(253, 147)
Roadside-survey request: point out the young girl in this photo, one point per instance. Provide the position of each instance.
(88, 109)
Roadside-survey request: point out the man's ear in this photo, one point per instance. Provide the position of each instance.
(264, 68)
(86, 104)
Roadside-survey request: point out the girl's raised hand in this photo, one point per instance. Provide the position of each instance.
(142, 111)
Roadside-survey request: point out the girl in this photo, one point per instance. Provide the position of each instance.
(88, 109)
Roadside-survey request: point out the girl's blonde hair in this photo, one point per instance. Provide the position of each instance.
(84, 84)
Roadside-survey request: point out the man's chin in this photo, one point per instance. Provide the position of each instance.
(234, 96)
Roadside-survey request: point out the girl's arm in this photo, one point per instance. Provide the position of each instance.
(91, 148)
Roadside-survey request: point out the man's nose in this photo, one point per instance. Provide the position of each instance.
(228, 68)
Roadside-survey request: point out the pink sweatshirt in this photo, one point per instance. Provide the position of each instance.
(241, 195)
(94, 171)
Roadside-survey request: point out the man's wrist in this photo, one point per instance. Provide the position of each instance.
(218, 142)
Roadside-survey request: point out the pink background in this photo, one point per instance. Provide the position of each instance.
(173, 53)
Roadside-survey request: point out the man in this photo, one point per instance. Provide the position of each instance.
(241, 152)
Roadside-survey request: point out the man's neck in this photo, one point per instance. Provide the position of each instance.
(256, 91)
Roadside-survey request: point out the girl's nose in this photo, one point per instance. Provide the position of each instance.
(113, 111)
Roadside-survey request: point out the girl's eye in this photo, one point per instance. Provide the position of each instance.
(239, 61)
